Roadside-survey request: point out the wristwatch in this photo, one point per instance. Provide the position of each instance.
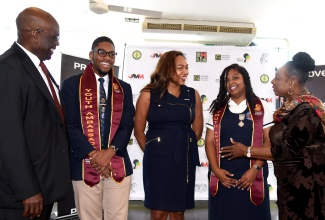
(114, 148)
(248, 152)
(257, 167)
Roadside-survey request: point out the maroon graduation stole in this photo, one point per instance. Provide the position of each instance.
(89, 112)
(257, 189)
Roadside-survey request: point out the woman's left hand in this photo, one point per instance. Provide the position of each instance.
(247, 179)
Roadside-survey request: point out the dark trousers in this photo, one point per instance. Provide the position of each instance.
(17, 214)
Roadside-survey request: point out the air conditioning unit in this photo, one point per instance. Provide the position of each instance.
(206, 32)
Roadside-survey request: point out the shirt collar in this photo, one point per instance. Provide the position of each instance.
(234, 108)
(104, 77)
(32, 56)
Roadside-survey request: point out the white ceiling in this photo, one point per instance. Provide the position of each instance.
(298, 21)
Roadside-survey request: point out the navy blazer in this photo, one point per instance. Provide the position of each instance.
(33, 139)
(79, 145)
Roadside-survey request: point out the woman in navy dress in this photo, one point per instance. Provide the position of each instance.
(175, 123)
(238, 188)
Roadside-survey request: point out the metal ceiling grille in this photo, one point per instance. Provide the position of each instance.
(164, 26)
(191, 27)
(207, 28)
(238, 30)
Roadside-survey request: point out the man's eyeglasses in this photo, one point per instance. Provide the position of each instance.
(54, 37)
(103, 53)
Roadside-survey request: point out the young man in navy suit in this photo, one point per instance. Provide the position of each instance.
(99, 114)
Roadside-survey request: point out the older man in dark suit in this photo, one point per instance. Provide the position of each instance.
(34, 156)
(99, 115)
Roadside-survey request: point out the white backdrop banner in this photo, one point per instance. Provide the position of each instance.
(205, 67)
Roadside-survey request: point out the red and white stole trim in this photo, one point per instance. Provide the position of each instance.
(257, 193)
(89, 112)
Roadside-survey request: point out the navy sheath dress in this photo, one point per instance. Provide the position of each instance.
(171, 152)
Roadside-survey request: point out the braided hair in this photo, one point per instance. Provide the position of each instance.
(223, 96)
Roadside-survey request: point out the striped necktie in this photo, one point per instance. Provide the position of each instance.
(102, 105)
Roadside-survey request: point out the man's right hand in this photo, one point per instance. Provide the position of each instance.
(33, 206)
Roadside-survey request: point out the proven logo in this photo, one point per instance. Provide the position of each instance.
(316, 73)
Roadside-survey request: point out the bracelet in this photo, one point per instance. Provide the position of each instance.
(248, 152)
(114, 148)
(257, 167)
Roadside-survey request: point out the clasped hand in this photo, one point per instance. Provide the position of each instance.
(232, 152)
(245, 182)
(100, 160)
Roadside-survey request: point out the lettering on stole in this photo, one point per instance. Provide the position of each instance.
(216, 119)
(89, 117)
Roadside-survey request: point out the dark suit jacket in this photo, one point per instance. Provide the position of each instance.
(33, 141)
(79, 145)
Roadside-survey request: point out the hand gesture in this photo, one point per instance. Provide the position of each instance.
(107, 172)
(247, 179)
(100, 161)
(234, 151)
(225, 178)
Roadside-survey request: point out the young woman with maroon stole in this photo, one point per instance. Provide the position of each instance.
(297, 144)
(238, 188)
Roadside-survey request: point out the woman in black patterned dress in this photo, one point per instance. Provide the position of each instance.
(297, 144)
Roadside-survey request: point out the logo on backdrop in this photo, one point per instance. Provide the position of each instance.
(79, 66)
(268, 100)
(271, 188)
(136, 164)
(204, 164)
(316, 81)
(201, 57)
(200, 77)
(221, 57)
(136, 55)
(136, 76)
(201, 188)
(204, 99)
(133, 186)
(246, 57)
(264, 78)
(317, 73)
(264, 57)
(132, 141)
(196, 77)
(200, 143)
(156, 55)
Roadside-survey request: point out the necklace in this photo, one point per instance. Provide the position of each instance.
(241, 118)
